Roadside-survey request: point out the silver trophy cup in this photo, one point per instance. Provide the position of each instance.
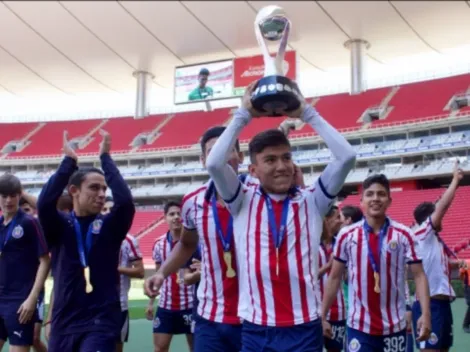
(274, 94)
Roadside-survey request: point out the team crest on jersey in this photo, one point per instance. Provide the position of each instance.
(96, 227)
(392, 246)
(433, 339)
(354, 345)
(18, 232)
(156, 323)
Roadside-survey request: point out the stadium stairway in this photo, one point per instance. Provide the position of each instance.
(143, 220)
(148, 237)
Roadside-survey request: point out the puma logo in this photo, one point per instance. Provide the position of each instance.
(18, 333)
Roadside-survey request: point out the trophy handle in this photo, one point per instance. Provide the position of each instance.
(281, 52)
(273, 66)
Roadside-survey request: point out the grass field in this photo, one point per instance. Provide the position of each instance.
(141, 330)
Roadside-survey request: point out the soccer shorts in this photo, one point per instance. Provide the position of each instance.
(83, 342)
(299, 338)
(360, 341)
(339, 331)
(124, 334)
(441, 325)
(11, 329)
(173, 322)
(210, 336)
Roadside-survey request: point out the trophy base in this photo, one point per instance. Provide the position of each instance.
(275, 95)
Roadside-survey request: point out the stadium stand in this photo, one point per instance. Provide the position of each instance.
(405, 103)
(399, 105)
(148, 239)
(144, 219)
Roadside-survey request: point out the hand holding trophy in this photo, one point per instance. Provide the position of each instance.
(274, 94)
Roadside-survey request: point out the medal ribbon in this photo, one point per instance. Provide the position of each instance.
(11, 227)
(382, 235)
(83, 249)
(277, 233)
(226, 238)
(447, 250)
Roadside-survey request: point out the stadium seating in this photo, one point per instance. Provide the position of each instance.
(127, 128)
(423, 99)
(48, 140)
(408, 102)
(15, 132)
(455, 223)
(143, 219)
(147, 241)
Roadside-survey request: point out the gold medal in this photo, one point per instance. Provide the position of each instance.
(86, 273)
(376, 282)
(228, 261)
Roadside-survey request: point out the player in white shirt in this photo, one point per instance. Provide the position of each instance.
(376, 251)
(208, 221)
(438, 261)
(277, 231)
(174, 313)
(130, 266)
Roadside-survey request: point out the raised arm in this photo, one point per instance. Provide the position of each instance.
(123, 210)
(445, 201)
(53, 189)
(226, 180)
(332, 178)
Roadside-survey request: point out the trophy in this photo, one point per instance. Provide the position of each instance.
(274, 94)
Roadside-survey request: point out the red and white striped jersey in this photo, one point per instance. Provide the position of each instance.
(436, 261)
(174, 294)
(285, 292)
(217, 294)
(370, 312)
(338, 309)
(130, 252)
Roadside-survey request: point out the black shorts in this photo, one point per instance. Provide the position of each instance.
(124, 334)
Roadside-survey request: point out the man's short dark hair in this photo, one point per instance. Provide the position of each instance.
(423, 211)
(265, 139)
(65, 202)
(169, 205)
(214, 132)
(204, 72)
(353, 212)
(380, 179)
(10, 185)
(331, 211)
(78, 176)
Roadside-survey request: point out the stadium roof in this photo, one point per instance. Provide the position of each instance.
(61, 49)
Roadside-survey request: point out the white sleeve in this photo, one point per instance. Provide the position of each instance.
(340, 252)
(226, 180)
(156, 255)
(332, 178)
(134, 249)
(424, 233)
(188, 212)
(411, 253)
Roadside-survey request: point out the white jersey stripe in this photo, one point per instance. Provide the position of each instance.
(128, 253)
(174, 294)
